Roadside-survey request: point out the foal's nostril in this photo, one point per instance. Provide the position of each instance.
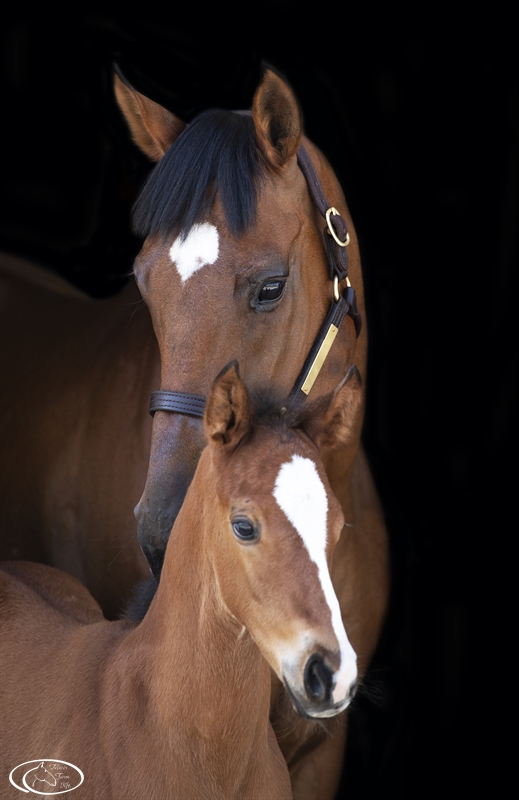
(318, 679)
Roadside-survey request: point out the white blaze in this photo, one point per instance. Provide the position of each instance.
(200, 247)
(300, 494)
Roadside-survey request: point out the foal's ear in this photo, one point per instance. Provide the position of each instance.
(277, 120)
(338, 417)
(227, 412)
(153, 128)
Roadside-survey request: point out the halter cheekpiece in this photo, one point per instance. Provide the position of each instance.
(337, 238)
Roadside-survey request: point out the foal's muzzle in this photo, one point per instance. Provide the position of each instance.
(314, 698)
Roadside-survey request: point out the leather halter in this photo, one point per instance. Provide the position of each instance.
(337, 238)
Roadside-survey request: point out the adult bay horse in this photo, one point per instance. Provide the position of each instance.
(178, 705)
(77, 374)
(234, 265)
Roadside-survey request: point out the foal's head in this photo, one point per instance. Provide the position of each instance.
(275, 526)
(233, 265)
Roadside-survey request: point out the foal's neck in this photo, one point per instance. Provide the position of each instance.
(207, 677)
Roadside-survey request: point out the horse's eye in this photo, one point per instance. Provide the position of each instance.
(271, 291)
(244, 530)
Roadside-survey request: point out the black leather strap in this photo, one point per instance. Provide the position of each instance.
(337, 255)
(351, 298)
(336, 314)
(181, 402)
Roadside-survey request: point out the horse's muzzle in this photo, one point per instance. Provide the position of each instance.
(175, 449)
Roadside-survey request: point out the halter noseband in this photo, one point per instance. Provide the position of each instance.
(337, 239)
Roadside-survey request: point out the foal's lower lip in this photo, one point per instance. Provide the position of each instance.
(336, 708)
(299, 708)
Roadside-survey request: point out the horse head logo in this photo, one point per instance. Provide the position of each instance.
(46, 777)
(38, 775)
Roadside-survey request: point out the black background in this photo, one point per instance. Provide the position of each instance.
(417, 112)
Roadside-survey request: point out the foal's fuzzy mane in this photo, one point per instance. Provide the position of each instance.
(216, 152)
(275, 412)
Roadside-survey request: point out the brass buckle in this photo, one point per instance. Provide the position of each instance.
(336, 287)
(331, 229)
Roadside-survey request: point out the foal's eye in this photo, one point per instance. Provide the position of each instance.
(270, 291)
(244, 530)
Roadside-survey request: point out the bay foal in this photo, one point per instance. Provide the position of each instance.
(178, 705)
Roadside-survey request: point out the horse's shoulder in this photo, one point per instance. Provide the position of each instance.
(38, 585)
(363, 484)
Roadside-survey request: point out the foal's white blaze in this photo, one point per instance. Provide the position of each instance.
(300, 494)
(200, 247)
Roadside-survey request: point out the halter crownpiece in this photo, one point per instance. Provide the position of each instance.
(337, 240)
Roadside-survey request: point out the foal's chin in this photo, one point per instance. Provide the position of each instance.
(314, 710)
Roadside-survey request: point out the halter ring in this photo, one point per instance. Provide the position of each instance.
(331, 229)
(336, 294)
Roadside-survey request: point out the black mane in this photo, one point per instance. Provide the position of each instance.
(216, 152)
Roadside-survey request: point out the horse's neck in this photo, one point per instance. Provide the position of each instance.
(208, 685)
(340, 466)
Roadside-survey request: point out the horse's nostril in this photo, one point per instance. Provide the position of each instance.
(318, 679)
(155, 559)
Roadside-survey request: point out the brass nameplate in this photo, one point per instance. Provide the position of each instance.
(319, 359)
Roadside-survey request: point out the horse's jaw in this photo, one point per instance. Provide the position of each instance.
(177, 442)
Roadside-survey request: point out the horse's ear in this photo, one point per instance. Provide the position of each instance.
(227, 412)
(277, 120)
(336, 419)
(153, 128)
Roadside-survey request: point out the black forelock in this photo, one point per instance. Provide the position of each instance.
(216, 152)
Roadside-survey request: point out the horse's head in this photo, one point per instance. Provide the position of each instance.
(41, 773)
(271, 526)
(234, 265)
